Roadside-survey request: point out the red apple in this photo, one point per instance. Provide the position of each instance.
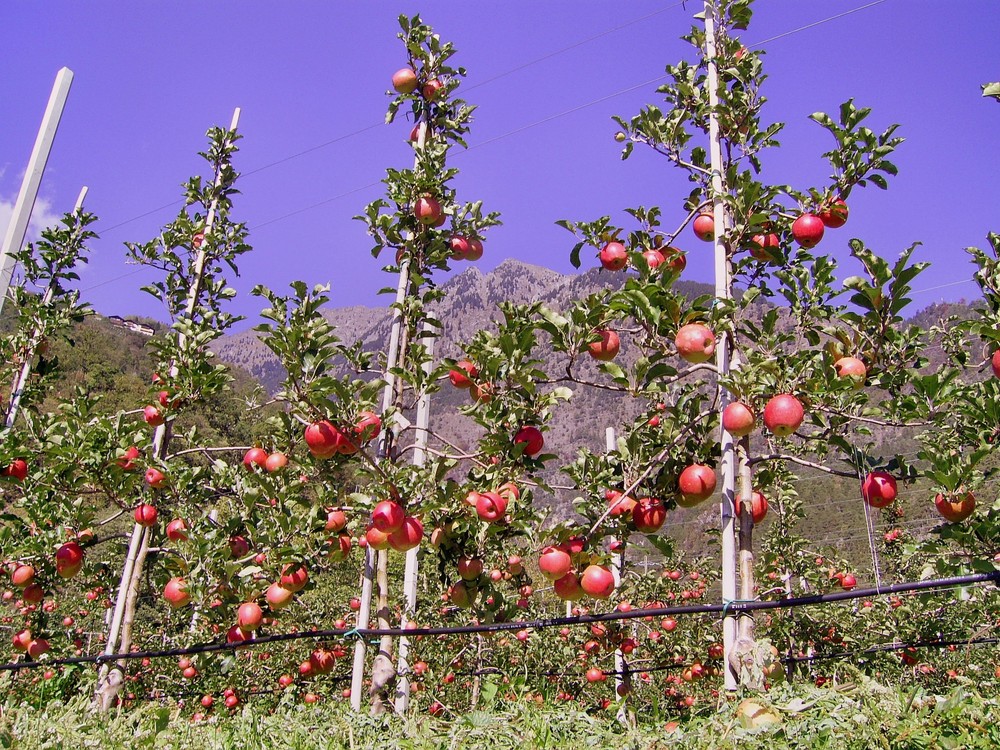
(432, 89)
(145, 515)
(532, 439)
(249, 617)
(294, 577)
(37, 647)
(340, 548)
(783, 414)
(654, 258)
(255, 457)
(32, 594)
(509, 492)
(155, 478)
(481, 392)
(649, 514)
(490, 506)
(278, 597)
(598, 581)
(704, 227)
(175, 592)
(554, 563)
(153, 416)
(848, 581)
(23, 575)
(738, 420)
(834, 215)
(676, 260)
(323, 439)
(606, 348)
(619, 506)
(995, 363)
(374, 538)
(404, 80)
(387, 516)
(758, 507)
(368, 426)
(568, 587)
(595, 675)
(463, 594)
(614, 256)
(126, 462)
(408, 536)
(275, 462)
(765, 247)
(460, 376)
(879, 489)
(955, 507)
(459, 246)
(177, 530)
(69, 554)
(475, 251)
(238, 546)
(18, 469)
(807, 230)
(695, 343)
(852, 369)
(427, 210)
(695, 484)
(470, 568)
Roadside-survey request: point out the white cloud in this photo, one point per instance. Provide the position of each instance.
(41, 217)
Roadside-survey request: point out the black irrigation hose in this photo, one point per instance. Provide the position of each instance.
(725, 609)
(891, 647)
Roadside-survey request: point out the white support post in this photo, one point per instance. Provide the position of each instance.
(410, 572)
(29, 356)
(723, 291)
(623, 681)
(18, 227)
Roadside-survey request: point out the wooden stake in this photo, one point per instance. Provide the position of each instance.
(25, 203)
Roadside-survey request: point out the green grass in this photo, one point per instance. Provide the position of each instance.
(861, 715)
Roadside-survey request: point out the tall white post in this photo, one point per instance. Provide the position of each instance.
(723, 291)
(623, 682)
(18, 227)
(410, 571)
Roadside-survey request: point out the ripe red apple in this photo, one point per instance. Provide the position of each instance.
(22, 575)
(509, 492)
(738, 419)
(481, 392)
(619, 506)
(336, 520)
(955, 507)
(695, 343)
(765, 247)
(175, 592)
(432, 89)
(834, 215)
(807, 230)
(408, 536)
(155, 478)
(695, 484)
(153, 416)
(323, 439)
(598, 581)
(126, 462)
(18, 469)
(783, 414)
(255, 457)
(177, 530)
(294, 577)
(879, 489)
(404, 80)
(475, 251)
(368, 426)
(22, 639)
(460, 376)
(568, 587)
(853, 369)
(238, 546)
(654, 258)
(275, 462)
(848, 581)
(614, 256)
(758, 507)
(37, 647)
(69, 554)
(995, 363)
(649, 514)
(427, 210)
(606, 348)
(278, 597)
(249, 617)
(459, 246)
(145, 514)
(595, 675)
(32, 594)
(387, 516)
(554, 563)
(490, 506)
(704, 227)
(532, 439)
(340, 548)
(374, 538)
(470, 568)
(676, 260)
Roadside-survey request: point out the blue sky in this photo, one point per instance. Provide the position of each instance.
(152, 78)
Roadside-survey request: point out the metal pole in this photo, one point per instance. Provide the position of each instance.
(18, 227)
(723, 290)
(623, 681)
